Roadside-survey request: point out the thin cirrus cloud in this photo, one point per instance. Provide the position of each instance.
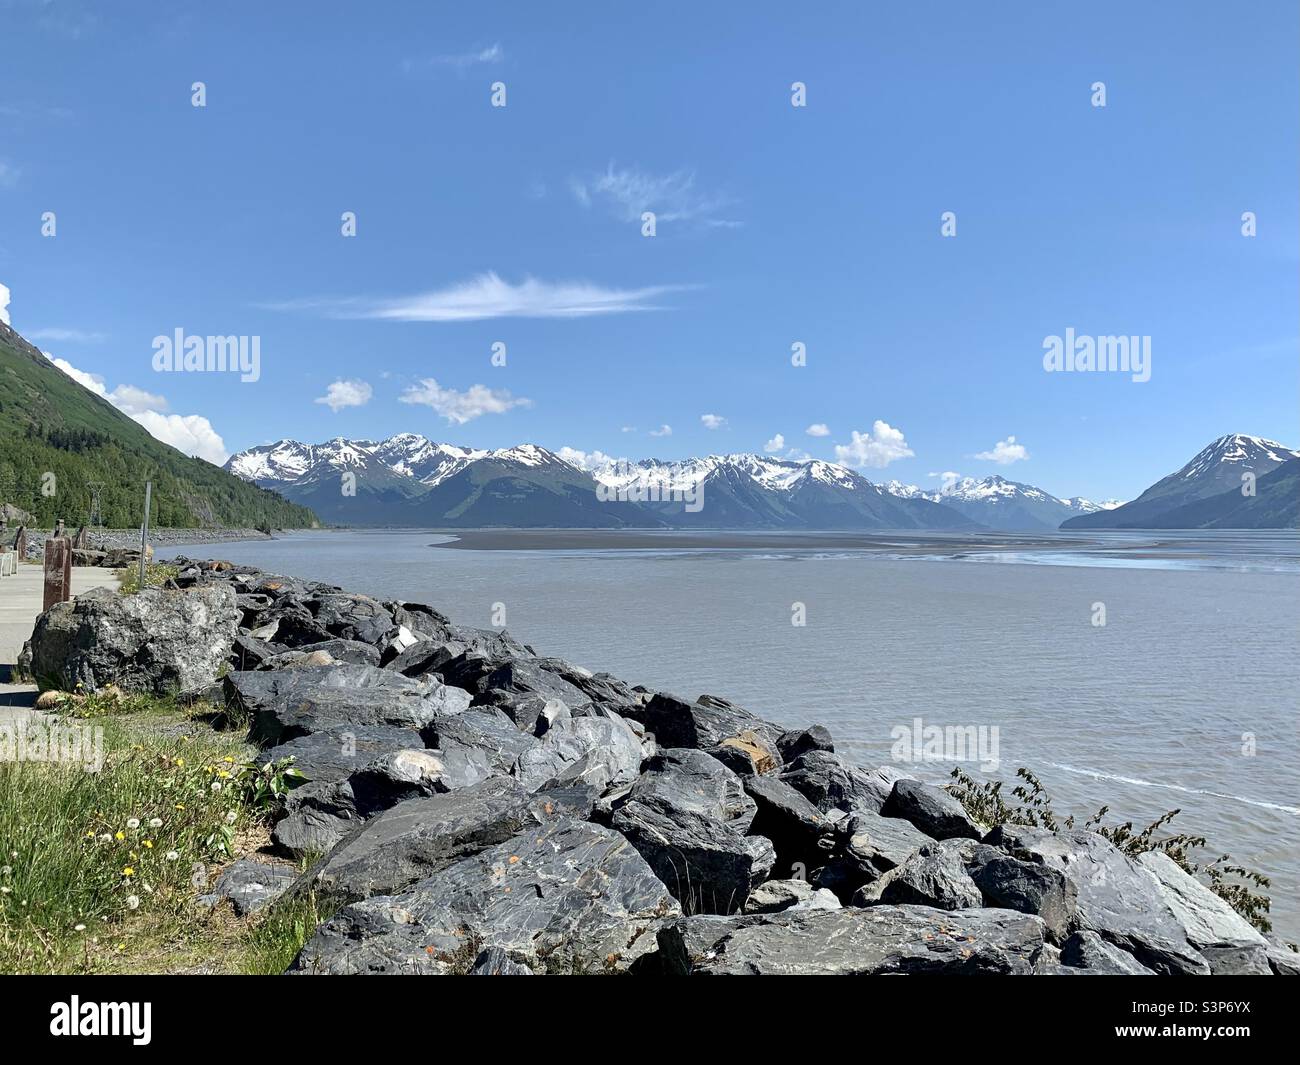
(878, 448)
(461, 407)
(489, 296)
(663, 430)
(1004, 452)
(459, 61)
(627, 193)
(346, 393)
(67, 336)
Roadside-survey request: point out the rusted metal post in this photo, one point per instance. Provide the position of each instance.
(58, 571)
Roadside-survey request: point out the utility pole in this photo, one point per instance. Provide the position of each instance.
(144, 529)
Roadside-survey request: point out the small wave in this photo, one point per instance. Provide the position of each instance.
(1137, 781)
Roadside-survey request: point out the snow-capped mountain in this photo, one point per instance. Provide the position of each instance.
(1213, 471)
(1000, 503)
(410, 480)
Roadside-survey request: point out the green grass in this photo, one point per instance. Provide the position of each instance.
(274, 941)
(99, 871)
(156, 574)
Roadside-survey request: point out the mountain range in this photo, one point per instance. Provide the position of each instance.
(1212, 491)
(412, 481)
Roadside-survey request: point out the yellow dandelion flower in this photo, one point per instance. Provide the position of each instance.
(119, 835)
(149, 843)
(128, 870)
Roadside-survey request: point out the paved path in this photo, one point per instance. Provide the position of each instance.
(20, 605)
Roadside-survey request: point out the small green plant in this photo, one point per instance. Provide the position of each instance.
(1233, 883)
(156, 574)
(264, 787)
(277, 938)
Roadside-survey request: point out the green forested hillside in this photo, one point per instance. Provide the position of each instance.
(49, 424)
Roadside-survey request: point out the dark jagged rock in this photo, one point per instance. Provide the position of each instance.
(875, 845)
(747, 753)
(1228, 942)
(773, 896)
(351, 651)
(875, 940)
(155, 641)
(687, 815)
(418, 837)
(481, 728)
(349, 616)
(830, 783)
(1028, 887)
(282, 705)
(800, 741)
(336, 753)
(936, 875)
(496, 962)
(798, 830)
(933, 810)
(702, 724)
(568, 897)
(251, 885)
(1088, 951)
(602, 752)
(1117, 898)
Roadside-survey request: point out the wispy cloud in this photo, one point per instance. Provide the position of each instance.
(459, 61)
(877, 449)
(713, 421)
(663, 430)
(489, 296)
(8, 174)
(67, 336)
(461, 407)
(628, 193)
(342, 394)
(1004, 452)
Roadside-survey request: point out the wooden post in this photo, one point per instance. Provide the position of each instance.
(58, 571)
(81, 540)
(144, 530)
(20, 543)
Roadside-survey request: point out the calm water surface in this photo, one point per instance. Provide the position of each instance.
(1149, 712)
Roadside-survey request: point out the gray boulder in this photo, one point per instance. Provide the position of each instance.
(830, 783)
(285, 704)
(933, 810)
(777, 895)
(1119, 899)
(481, 728)
(800, 741)
(875, 940)
(496, 962)
(251, 885)
(936, 875)
(336, 753)
(702, 724)
(798, 830)
(875, 845)
(1229, 942)
(602, 752)
(567, 897)
(688, 815)
(1088, 951)
(418, 837)
(157, 641)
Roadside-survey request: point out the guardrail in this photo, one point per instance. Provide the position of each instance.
(8, 563)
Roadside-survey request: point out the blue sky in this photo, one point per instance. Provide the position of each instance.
(775, 224)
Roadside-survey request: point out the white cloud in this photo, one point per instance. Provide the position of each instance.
(663, 430)
(4, 304)
(878, 448)
(947, 480)
(584, 460)
(775, 444)
(461, 407)
(628, 429)
(343, 393)
(192, 434)
(8, 174)
(629, 192)
(1004, 452)
(713, 421)
(67, 336)
(818, 429)
(488, 296)
(797, 455)
(460, 61)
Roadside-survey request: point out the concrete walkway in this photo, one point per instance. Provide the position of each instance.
(20, 605)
